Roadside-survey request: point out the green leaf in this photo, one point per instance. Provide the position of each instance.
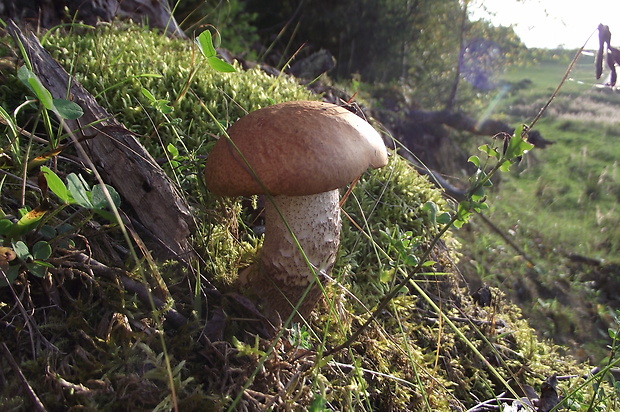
(205, 43)
(490, 151)
(67, 109)
(56, 185)
(79, 190)
(174, 152)
(12, 273)
(163, 106)
(459, 223)
(5, 226)
(109, 216)
(517, 146)
(41, 250)
(31, 81)
(38, 268)
(148, 95)
(317, 404)
(99, 199)
(9, 121)
(386, 276)
(47, 232)
(220, 65)
(27, 222)
(505, 167)
(444, 218)
(518, 131)
(478, 194)
(64, 108)
(479, 206)
(464, 212)
(411, 260)
(475, 160)
(44, 158)
(431, 209)
(21, 250)
(479, 176)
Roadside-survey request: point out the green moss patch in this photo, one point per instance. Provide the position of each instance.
(84, 342)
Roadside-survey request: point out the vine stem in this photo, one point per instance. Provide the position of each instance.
(388, 298)
(557, 89)
(407, 279)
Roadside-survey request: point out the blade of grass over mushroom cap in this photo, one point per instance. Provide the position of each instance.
(296, 305)
(296, 148)
(280, 215)
(300, 153)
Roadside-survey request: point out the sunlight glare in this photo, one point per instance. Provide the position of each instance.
(552, 23)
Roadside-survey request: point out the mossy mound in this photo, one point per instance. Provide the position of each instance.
(84, 342)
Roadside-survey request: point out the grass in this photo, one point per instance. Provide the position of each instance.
(559, 202)
(570, 188)
(575, 181)
(81, 340)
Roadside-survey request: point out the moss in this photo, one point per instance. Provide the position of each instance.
(99, 347)
(115, 63)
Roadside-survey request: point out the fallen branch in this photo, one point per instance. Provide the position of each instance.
(506, 239)
(577, 258)
(460, 121)
(121, 159)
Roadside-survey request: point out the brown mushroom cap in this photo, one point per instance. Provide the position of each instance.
(295, 148)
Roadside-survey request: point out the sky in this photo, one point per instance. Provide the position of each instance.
(552, 23)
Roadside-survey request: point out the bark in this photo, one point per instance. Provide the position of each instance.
(118, 156)
(50, 13)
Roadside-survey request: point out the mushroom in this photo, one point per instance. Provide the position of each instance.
(299, 154)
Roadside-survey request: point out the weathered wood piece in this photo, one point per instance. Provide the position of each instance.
(119, 157)
(50, 13)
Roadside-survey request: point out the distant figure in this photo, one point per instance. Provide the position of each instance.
(613, 54)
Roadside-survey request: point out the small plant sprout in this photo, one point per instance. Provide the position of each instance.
(78, 192)
(63, 108)
(161, 105)
(205, 43)
(298, 154)
(495, 161)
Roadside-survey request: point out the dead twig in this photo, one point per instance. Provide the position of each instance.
(36, 402)
(86, 263)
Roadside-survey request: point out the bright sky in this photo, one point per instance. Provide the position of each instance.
(553, 23)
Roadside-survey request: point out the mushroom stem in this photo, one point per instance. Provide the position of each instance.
(282, 275)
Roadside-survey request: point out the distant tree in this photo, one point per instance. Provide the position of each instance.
(369, 37)
(414, 43)
(486, 52)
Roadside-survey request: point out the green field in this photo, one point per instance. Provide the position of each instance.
(557, 203)
(569, 189)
